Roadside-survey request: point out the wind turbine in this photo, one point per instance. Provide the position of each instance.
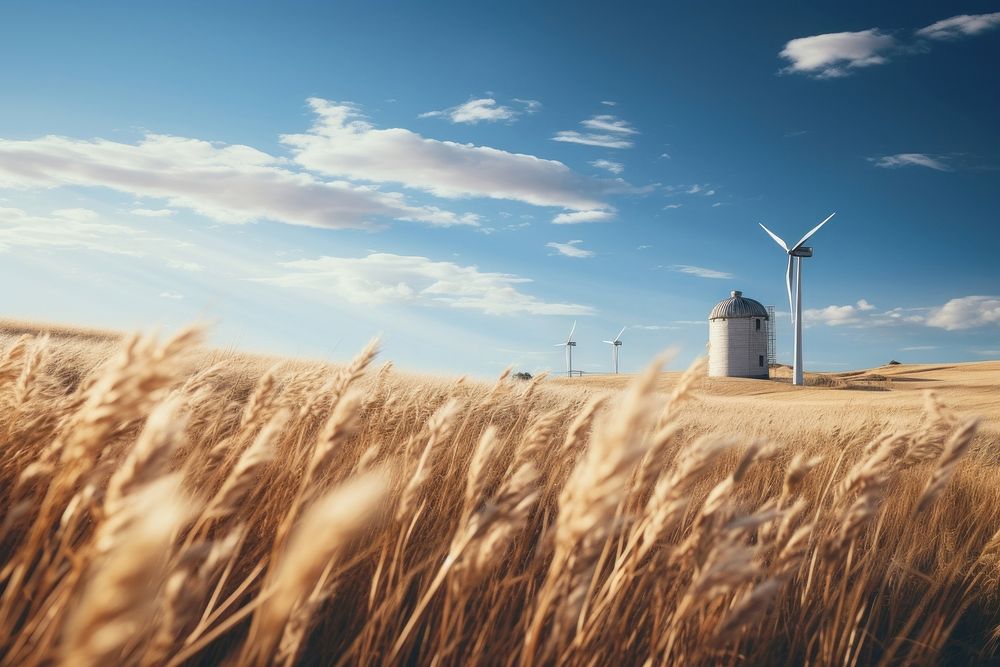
(796, 252)
(569, 345)
(616, 345)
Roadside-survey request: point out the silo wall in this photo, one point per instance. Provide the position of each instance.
(736, 347)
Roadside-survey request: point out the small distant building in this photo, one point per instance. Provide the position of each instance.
(738, 336)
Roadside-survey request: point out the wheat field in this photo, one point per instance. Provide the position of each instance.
(168, 504)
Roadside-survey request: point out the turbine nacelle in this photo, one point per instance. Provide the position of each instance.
(802, 252)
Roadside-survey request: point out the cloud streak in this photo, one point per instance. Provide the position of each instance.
(699, 271)
(486, 109)
(577, 217)
(342, 144)
(380, 278)
(570, 249)
(227, 183)
(963, 25)
(910, 160)
(603, 131)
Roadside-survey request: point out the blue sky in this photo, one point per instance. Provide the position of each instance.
(467, 180)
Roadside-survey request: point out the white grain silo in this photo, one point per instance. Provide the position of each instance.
(737, 334)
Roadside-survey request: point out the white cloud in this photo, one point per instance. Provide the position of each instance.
(184, 265)
(643, 247)
(654, 327)
(699, 271)
(604, 130)
(909, 160)
(475, 111)
(609, 123)
(837, 315)
(835, 54)
(570, 249)
(76, 214)
(610, 165)
(577, 217)
(65, 228)
(918, 348)
(153, 212)
(171, 295)
(609, 103)
(228, 183)
(341, 144)
(958, 314)
(966, 313)
(530, 106)
(387, 278)
(963, 25)
(671, 206)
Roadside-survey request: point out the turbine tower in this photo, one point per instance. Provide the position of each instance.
(796, 252)
(569, 345)
(616, 345)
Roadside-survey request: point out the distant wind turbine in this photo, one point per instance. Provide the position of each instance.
(798, 252)
(616, 345)
(569, 345)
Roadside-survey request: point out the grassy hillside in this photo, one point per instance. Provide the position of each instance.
(161, 503)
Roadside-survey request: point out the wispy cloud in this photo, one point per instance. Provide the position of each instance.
(838, 54)
(654, 327)
(701, 189)
(603, 130)
(910, 160)
(233, 184)
(176, 296)
(610, 165)
(699, 271)
(66, 228)
(388, 278)
(185, 265)
(570, 249)
(964, 25)
(153, 212)
(577, 217)
(342, 144)
(485, 109)
(643, 247)
(672, 206)
(918, 348)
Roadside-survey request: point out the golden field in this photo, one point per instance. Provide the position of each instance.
(166, 504)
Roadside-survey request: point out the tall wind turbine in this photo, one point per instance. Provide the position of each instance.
(616, 346)
(796, 252)
(569, 345)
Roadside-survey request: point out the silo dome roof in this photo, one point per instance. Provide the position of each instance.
(738, 305)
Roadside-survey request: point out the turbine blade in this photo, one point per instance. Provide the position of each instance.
(777, 239)
(609, 342)
(619, 336)
(559, 345)
(812, 231)
(788, 284)
(571, 331)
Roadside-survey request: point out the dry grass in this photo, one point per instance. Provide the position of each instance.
(165, 504)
